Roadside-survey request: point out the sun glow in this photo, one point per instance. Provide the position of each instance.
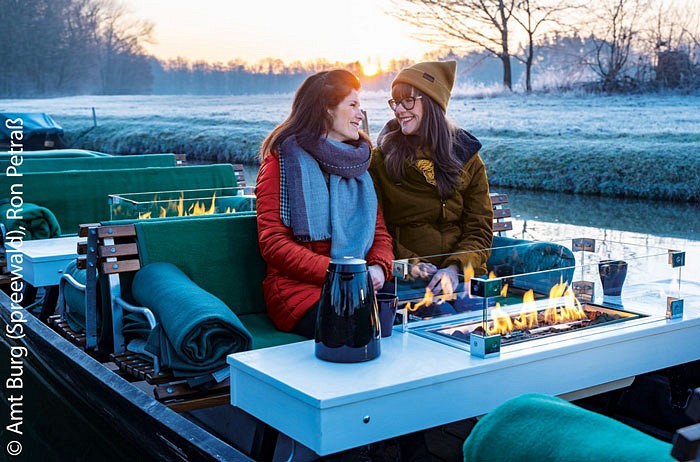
(371, 68)
(221, 31)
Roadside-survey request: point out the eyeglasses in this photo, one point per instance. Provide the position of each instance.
(407, 103)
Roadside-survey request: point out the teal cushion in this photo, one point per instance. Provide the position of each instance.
(196, 330)
(540, 428)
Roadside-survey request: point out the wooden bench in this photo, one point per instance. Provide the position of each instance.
(501, 214)
(111, 255)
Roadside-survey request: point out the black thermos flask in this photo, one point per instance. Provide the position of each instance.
(347, 326)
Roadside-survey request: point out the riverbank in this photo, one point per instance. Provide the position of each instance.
(642, 146)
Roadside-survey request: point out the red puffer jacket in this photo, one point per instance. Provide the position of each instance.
(296, 270)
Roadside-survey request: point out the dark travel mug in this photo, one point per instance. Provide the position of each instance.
(386, 305)
(612, 276)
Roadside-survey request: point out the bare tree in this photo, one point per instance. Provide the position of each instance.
(616, 27)
(532, 15)
(465, 24)
(119, 39)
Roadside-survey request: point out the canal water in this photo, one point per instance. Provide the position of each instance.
(58, 430)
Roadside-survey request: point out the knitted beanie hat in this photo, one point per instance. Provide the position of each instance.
(434, 78)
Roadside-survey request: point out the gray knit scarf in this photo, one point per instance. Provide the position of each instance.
(344, 209)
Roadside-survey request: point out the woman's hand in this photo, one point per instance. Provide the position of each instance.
(377, 274)
(423, 270)
(451, 276)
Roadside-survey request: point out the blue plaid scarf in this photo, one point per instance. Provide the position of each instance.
(342, 209)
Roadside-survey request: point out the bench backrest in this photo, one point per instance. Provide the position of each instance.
(63, 164)
(501, 214)
(219, 253)
(77, 197)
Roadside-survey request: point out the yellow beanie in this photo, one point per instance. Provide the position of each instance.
(434, 78)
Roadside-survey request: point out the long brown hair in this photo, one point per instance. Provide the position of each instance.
(436, 134)
(309, 118)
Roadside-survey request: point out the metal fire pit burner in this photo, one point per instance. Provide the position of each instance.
(596, 316)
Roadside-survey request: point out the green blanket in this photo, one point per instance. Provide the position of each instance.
(38, 222)
(196, 330)
(541, 428)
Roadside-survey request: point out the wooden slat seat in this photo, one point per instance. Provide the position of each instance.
(61, 326)
(501, 214)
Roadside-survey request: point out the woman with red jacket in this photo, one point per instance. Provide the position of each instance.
(316, 200)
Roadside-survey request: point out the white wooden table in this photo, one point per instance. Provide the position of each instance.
(418, 383)
(45, 259)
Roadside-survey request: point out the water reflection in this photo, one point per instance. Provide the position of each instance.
(665, 219)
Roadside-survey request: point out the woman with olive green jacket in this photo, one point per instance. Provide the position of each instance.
(430, 180)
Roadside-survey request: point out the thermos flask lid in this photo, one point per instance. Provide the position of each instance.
(347, 265)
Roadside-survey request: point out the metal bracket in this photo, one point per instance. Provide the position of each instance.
(486, 287)
(674, 308)
(484, 346)
(584, 290)
(399, 269)
(583, 245)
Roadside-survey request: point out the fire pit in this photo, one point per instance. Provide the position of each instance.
(533, 303)
(141, 206)
(594, 315)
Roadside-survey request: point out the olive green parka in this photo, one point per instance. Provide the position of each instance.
(421, 223)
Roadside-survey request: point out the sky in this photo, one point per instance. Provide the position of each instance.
(304, 30)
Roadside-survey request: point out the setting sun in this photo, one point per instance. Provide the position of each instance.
(371, 68)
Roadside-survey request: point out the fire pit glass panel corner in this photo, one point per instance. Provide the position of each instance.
(534, 290)
(161, 204)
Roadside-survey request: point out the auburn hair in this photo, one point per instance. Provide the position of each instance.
(309, 118)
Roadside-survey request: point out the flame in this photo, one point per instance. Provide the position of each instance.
(427, 301)
(468, 273)
(571, 309)
(500, 323)
(528, 315)
(562, 306)
(176, 207)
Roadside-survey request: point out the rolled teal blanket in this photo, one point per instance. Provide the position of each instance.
(38, 222)
(196, 330)
(541, 428)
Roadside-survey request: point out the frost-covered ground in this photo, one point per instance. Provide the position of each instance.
(232, 126)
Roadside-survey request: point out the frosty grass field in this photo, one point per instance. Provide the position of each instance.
(231, 127)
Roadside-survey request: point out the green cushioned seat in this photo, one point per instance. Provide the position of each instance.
(540, 428)
(77, 197)
(220, 254)
(265, 334)
(52, 154)
(97, 163)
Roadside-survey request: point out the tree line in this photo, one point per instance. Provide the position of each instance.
(623, 38)
(65, 47)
